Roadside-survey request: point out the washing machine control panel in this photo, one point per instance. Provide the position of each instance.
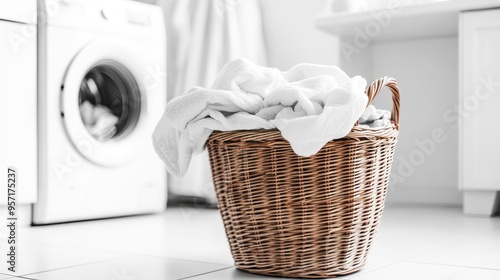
(104, 15)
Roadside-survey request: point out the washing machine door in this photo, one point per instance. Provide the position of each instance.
(103, 105)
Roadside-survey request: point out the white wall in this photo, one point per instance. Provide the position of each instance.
(427, 72)
(291, 35)
(425, 171)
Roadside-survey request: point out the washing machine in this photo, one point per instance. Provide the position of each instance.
(101, 90)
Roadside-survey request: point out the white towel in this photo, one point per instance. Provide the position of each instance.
(189, 120)
(309, 104)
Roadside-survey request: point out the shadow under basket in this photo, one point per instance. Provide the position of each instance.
(309, 217)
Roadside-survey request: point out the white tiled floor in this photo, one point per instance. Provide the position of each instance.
(412, 243)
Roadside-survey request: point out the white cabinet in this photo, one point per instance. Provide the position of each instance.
(18, 107)
(479, 103)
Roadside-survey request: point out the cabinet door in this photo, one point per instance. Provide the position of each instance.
(479, 108)
(18, 109)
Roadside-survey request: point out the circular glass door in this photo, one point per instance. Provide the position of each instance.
(102, 104)
(109, 101)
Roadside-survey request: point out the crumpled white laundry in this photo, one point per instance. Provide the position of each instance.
(374, 118)
(99, 120)
(318, 109)
(310, 104)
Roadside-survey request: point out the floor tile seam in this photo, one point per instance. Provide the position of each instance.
(361, 273)
(449, 245)
(74, 266)
(90, 248)
(178, 259)
(408, 259)
(205, 273)
(454, 265)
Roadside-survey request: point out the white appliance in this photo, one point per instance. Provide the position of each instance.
(18, 102)
(101, 83)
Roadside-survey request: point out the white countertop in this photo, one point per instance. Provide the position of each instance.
(432, 19)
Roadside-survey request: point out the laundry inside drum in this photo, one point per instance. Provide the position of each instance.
(109, 101)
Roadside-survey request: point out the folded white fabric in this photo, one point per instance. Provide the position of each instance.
(310, 104)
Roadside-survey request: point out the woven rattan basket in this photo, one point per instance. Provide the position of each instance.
(310, 217)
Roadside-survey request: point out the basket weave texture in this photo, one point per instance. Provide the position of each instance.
(309, 217)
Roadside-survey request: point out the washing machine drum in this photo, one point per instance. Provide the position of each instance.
(103, 106)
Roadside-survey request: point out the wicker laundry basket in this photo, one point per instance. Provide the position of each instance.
(310, 217)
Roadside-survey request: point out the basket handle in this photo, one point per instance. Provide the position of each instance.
(377, 86)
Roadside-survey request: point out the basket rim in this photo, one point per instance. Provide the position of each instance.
(266, 135)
